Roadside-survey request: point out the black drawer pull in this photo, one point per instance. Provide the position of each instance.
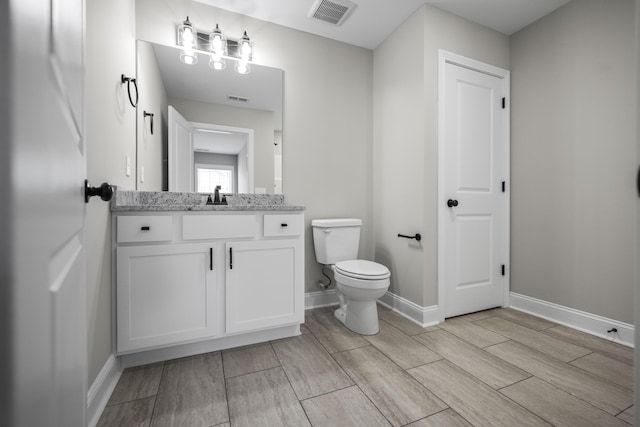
(231, 258)
(211, 259)
(145, 228)
(284, 224)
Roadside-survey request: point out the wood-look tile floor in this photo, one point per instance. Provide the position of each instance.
(498, 367)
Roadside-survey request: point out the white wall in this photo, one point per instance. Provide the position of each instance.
(110, 131)
(574, 158)
(327, 111)
(151, 152)
(406, 138)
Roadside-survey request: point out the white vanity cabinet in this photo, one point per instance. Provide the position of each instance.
(261, 284)
(165, 295)
(213, 277)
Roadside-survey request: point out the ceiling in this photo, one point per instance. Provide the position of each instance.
(373, 20)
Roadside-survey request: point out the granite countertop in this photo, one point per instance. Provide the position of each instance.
(126, 200)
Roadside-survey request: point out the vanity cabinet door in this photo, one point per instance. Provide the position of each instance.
(264, 284)
(165, 295)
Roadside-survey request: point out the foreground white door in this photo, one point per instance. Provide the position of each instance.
(44, 98)
(180, 152)
(473, 208)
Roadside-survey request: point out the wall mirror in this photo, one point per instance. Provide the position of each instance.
(216, 125)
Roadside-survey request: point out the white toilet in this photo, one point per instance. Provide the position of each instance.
(359, 283)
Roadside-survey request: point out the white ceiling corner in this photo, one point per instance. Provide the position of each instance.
(373, 20)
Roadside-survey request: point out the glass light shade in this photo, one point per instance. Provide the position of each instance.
(245, 47)
(217, 63)
(188, 56)
(186, 35)
(217, 42)
(242, 67)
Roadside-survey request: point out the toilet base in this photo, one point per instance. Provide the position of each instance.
(359, 316)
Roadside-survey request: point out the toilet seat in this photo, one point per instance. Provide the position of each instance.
(362, 269)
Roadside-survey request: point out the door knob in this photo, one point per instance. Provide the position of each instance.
(104, 191)
(451, 203)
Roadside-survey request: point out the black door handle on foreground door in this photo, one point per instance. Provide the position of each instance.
(451, 203)
(105, 191)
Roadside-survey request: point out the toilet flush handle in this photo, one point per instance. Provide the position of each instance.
(326, 230)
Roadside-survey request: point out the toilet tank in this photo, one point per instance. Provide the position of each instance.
(336, 239)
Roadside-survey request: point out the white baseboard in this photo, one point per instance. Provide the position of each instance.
(423, 316)
(320, 299)
(101, 390)
(581, 320)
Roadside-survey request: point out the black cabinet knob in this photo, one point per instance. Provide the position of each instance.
(451, 203)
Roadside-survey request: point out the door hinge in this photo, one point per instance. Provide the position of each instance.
(503, 186)
(502, 269)
(504, 103)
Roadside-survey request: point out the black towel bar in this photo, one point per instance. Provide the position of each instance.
(418, 237)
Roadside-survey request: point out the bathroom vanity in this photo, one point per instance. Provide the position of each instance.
(194, 277)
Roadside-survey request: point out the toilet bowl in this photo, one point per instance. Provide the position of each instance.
(359, 283)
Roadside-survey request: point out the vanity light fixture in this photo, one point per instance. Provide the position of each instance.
(216, 45)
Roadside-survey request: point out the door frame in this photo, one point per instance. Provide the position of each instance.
(445, 57)
(212, 127)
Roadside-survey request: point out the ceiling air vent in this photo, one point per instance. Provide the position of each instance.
(332, 11)
(237, 98)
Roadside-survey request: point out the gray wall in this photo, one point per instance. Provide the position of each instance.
(151, 148)
(327, 111)
(405, 158)
(573, 158)
(110, 131)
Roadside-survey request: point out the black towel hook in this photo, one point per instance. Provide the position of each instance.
(128, 80)
(151, 123)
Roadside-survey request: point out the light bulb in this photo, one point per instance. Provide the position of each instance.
(216, 62)
(188, 56)
(242, 67)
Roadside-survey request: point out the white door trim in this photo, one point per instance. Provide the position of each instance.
(445, 57)
(233, 129)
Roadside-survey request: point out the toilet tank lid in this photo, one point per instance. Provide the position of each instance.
(336, 222)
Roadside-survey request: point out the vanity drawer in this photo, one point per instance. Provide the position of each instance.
(197, 227)
(148, 228)
(282, 225)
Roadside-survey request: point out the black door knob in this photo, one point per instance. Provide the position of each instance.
(104, 191)
(451, 203)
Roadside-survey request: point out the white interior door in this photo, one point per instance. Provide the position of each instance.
(180, 152)
(473, 212)
(48, 343)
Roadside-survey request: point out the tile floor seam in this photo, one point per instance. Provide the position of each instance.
(155, 398)
(372, 402)
(526, 409)
(561, 390)
(226, 391)
(626, 409)
(326, 393)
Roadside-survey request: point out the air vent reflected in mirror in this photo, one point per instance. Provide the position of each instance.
(237, 98)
